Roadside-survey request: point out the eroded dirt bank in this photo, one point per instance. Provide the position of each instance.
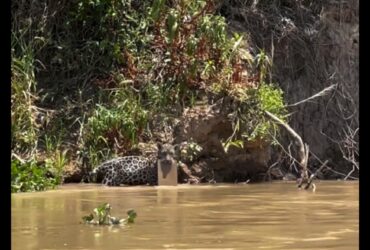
(314, 44)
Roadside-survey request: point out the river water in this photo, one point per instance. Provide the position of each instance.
(251, 216)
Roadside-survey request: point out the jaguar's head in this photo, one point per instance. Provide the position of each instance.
(167, 157)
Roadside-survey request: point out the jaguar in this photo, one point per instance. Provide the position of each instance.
(135, 170)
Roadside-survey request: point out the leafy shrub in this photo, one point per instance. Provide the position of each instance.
(193, 44)
(29, 176)
(116, 127)
(271, 99)
(24, 130)
(111, 31)
(248, 118)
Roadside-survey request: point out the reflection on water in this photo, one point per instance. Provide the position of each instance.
(253, 216)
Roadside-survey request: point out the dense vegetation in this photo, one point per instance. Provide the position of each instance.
(88, 77)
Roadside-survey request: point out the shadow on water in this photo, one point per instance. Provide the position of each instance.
(253, 216)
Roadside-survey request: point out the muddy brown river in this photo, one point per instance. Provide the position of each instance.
(251, 216)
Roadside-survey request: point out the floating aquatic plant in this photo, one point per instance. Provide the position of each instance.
(103, 217)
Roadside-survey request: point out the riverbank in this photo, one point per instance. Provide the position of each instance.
(198, 74)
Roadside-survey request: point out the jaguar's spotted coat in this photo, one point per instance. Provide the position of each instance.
(135, 170)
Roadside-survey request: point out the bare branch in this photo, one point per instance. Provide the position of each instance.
(323, 92)
(18, 158)
(303, 148)
(330, 169)
(314, 174)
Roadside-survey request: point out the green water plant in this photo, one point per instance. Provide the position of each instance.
(103, 217)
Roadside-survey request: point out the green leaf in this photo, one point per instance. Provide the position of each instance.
(235, 143)
(131, 216)
(156, 9)
(172, 26)
(236, 46)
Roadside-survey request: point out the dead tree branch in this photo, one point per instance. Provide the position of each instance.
(319, 94)
(309, 182)
(330, 169)
(349, 148)
(303, 149)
